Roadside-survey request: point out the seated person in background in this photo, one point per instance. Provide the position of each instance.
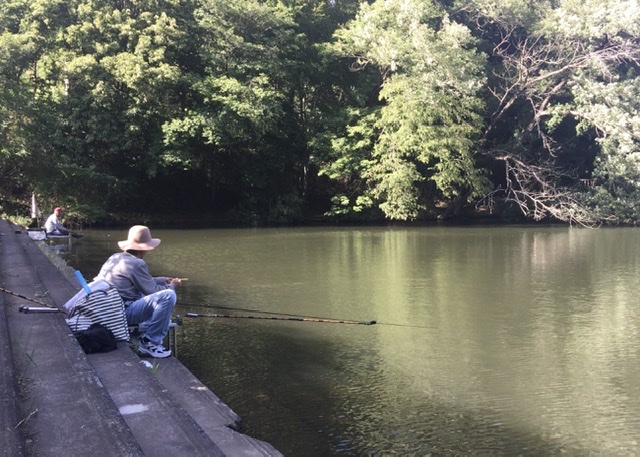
(148, 300)
(53, 226)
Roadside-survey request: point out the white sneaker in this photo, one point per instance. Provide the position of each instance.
(154, 350)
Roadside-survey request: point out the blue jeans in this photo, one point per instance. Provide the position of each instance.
(153, 314)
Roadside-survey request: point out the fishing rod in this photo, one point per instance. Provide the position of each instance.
(208, 306)
(33, 300)
(249, 310)
(298, 319)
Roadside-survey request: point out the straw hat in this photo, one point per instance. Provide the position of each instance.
(139, 239)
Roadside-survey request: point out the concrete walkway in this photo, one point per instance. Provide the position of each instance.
(55, 400)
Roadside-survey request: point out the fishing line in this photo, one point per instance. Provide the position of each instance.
(402, 325)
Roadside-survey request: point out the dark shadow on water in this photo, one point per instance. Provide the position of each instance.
(308, 399)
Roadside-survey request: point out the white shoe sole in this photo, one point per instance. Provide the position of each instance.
(155, 355)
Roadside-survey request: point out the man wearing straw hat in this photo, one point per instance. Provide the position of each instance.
(148, 300)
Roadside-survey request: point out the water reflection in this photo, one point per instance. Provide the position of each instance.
(501, 341)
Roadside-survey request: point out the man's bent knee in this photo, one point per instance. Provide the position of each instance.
(167, 296)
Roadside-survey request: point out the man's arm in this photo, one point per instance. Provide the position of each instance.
(144, 282)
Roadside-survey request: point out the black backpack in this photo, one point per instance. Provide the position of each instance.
(97, 338)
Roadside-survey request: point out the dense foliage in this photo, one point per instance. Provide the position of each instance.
(267, 111)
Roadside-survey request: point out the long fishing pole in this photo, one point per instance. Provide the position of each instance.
(208, 306)
(298, 319)
(249, 310)
(33, 300)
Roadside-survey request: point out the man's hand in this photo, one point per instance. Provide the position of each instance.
(175, 282)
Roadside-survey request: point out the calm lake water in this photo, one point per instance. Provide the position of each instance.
(490, 340)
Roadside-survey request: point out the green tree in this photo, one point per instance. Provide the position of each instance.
(95, 81)
(261, 104)
(233, 123)
(561, 159)
(18, 106)
(392, 109)
(415, 147)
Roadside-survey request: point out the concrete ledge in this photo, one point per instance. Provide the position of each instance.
(217, 420)
(10, 436)
(63, 409)
(158, 422)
